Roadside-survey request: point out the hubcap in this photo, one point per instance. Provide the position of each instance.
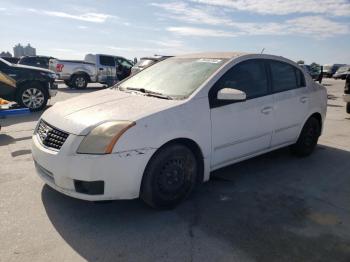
(33, 98)
(80, 82)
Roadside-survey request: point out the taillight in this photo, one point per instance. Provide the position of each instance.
(59, 67)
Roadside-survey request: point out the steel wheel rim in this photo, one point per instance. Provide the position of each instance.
(173, 177)
(80, 81)
(33, 98)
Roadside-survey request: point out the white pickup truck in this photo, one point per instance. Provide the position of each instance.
(95, 68)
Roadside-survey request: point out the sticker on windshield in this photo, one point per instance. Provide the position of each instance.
(207, 60)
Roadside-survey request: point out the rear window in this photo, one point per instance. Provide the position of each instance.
(27, 60)
(284, 76)
(34, 61)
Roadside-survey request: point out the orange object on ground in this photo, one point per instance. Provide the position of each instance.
(3, 101)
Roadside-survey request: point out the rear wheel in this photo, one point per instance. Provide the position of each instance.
(79, 81)
(33, 96)
(348, 107)
(308, 138)
(68, 84)
(170, 177)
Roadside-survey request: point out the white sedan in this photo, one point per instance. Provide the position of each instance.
(159, 133)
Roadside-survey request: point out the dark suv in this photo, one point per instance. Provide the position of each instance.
(30, 87)
(346, 95)
(37, 61)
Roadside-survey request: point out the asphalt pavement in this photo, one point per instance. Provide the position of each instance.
(274, 207)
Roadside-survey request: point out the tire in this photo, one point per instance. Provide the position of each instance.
(348, 107)
(79, 81)
(33, 96)
(68, 83)
(308, 138)
(170, 177)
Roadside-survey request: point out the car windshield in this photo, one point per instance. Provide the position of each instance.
(343, 69)
(145, 62)
(174, 77)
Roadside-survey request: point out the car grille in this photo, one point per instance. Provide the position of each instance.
(51, 136)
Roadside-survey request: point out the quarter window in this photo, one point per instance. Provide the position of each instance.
(300, 78)
(248, 76)
(284, 76)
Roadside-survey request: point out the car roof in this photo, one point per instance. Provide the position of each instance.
(227, 55)
(155, 58)
(36, 56)
(118, 56)
(235, 55)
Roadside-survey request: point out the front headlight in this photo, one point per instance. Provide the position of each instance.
(102, 138)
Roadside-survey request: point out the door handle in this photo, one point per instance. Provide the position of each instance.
(100, 68)
(266, 110)
(303, 99)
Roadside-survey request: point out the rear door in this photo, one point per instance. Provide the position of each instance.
(291, 100)
(106, 68)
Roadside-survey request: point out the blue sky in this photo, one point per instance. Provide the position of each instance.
(311, 30)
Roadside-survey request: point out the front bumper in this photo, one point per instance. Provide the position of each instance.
(346, 98)
(121, 173)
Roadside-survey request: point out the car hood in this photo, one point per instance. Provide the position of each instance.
(33, 68)
(80, 114)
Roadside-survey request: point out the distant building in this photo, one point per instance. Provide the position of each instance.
(5, 54)
(20, 50)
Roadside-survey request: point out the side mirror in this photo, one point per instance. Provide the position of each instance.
(231, 94)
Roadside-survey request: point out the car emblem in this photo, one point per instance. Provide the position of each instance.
(45, 134)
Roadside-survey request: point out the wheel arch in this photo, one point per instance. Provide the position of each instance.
(194, 147)
(80, 73)
(28, 82)
(319, 118)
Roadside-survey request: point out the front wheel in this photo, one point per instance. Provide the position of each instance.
(33, 96)
(308, 138)
(348, 107)
(170, 177)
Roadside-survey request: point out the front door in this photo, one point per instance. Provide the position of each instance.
(241, 129)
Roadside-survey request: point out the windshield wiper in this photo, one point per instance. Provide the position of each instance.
(150, 92)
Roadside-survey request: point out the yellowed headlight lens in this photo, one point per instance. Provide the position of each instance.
(102, 139)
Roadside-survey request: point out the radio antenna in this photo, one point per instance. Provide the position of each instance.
(262, 50)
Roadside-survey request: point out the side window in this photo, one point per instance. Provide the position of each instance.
(107, 60)
(124, 63)
(284, 76)
(248, 76)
